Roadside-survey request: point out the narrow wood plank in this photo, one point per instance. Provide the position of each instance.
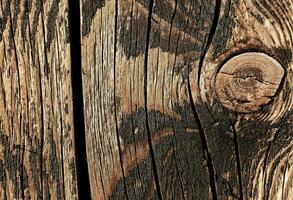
(156, 125)
(37, 156)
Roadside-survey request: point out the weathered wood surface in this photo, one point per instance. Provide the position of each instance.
(37, 157)
(157, 124)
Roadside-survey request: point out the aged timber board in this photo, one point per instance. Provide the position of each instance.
(37, 156)
(188, 99)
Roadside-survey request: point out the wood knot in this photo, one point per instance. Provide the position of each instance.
(248, 81)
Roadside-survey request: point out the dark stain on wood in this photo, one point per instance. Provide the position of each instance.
(25, 17)
(33, 131)
(281, 141)
(89, 9)
(217, 125)
(138, 182)
(181, 168)
(72, 168)
(2, 177)
(181, 163)
(192, 32)
(12, 166)
(25, 177)
(54, 165)
(225, 27)
(16, 10)
(51, 23)
(36, 15)
(1, 172)
(36, 170)
(255, 136)
(4, 18)
(9, 160)
(45, 190)
(283, 55)
(67, 28)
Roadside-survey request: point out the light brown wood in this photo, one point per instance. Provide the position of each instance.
(114, 82)
(248, 81)
(37, 151)
(265, 136)
(183, 99)
(188, 99)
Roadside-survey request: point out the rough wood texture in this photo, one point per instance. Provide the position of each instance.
(37, 157)
(183, 99)
(248, 81)
(156, 124)
(263, 138)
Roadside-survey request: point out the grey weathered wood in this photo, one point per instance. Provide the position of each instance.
(37, 157)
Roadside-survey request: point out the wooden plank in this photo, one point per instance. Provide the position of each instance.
(262, 130)
(37, 157)
(114, 83)
(158, 89)
(157, 124)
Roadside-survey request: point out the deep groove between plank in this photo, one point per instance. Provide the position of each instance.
(77, 97)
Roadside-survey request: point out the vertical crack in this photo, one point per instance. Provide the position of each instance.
(210, 37)
(237, 154)
(115, 108)
(42, 130)
(204, 142)
(12, 35)
(77, 97)
(61, 128)
(201, 131)
(41, 99)
(149, 26)
(284, 177)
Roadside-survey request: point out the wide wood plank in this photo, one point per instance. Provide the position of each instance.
(37, 156)
(127, 159)
(167, 119)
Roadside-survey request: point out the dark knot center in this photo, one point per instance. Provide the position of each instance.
(248, 77)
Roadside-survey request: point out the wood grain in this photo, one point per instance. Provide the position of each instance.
(248, 81)
(156, 125)
(264, 137)
(183, 99)
(118, 146)
(37, 151)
